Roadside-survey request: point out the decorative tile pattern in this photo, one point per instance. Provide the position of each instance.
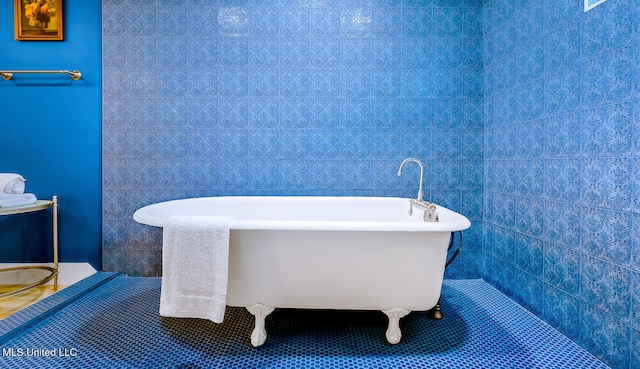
(562, 311)
(601, 332)
(565, 81)
(607, 235)
(559, 266)
(562, 47)
(607, 183)
(562, 222)
(528, 292)
(616, 24)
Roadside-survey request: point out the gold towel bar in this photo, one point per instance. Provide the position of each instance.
(7, 74)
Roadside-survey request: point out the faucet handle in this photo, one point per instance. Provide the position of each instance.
(430, 211)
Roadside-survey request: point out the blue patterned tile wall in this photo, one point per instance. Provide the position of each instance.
(562, 122)
(289, 97)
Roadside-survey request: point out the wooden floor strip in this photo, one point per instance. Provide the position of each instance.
(13, 304)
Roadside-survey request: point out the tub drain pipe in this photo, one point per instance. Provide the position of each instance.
(455, 254)
(436, 312)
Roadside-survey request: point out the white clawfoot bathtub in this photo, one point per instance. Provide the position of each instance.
(361, 253)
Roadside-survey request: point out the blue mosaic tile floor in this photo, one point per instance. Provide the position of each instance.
(117, 325)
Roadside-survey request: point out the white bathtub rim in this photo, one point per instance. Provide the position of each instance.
(455, 222)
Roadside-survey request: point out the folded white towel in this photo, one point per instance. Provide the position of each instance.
(195, 265)
(11, 200)
(12, 183)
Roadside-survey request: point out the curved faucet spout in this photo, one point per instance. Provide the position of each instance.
(421, 174)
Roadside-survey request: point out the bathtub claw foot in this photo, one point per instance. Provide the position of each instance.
(260, 312)
(436, 312)
(393, 332)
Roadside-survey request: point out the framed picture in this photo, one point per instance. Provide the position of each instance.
(38, 20)
(590, 4)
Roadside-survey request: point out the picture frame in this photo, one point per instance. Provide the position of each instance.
(38, 20)
(590, 4)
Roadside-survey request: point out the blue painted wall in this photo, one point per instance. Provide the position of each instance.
(50, 129)
(562, 185)
(288, 98)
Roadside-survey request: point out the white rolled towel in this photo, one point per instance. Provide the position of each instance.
(12, 183)
(11, 200)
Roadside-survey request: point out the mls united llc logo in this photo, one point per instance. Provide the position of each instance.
(54, 352)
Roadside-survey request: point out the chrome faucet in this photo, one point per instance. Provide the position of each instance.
(430, 210)
(420, 193)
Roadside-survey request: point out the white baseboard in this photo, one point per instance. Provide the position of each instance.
(68, 273)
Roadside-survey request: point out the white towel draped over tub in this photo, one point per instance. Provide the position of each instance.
(195, 265)
(11, 183)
